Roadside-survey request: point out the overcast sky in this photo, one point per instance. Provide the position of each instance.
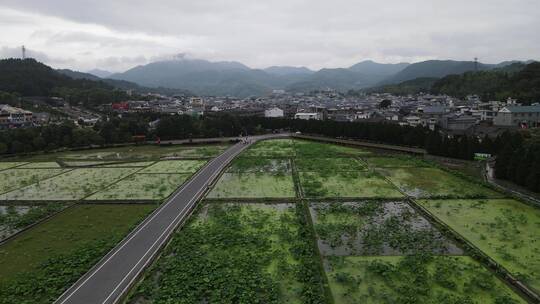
(118, 34)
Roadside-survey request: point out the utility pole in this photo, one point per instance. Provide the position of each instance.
(23, 52)
(476, 64)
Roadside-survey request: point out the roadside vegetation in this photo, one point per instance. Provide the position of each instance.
(39, 264)
(236, 253)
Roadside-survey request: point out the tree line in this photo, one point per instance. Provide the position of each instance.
(518, 159)
(69, 135)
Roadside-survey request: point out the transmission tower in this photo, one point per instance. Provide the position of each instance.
(476, 64)
(23, 52)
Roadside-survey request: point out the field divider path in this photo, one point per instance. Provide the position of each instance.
(307, 214)
(502, 273)
(111, 278)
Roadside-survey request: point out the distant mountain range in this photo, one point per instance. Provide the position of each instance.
(236, 79)
(202, 77)
(100, 73)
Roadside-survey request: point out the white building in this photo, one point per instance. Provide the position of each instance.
(308, 116)
(14, 116)
(413, 121)
(274, 112)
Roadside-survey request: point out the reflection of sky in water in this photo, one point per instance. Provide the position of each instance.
(356, 246)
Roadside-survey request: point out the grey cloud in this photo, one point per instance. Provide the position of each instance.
(312, 33)
(16, 52)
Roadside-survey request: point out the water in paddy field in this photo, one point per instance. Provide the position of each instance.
(397, 227)
(6, 231)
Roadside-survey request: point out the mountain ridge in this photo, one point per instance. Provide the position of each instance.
(236, 79)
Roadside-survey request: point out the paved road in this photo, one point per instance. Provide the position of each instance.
(112, 277)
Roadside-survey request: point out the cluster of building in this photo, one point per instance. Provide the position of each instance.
(38, 110)
(175, 105)
(12, 117)
(452, 115)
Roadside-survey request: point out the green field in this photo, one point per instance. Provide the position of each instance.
(193, 151)
(396, 162)
(39, 264)
(175, 166)
(506, 230)
(353, 218)
(275, 148)
(234, 253)
(141, 186)
(434, 183)
(414, 279)
(12, 179)
(375, 228)
(73, 185)
(143, 152)
(254, 185)
(346, 184)
(245, 164)
(306, 148)
(329, 164)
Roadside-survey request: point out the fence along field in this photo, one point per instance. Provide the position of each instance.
(374, 247)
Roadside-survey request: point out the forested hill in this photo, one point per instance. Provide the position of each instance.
(524, 85)
(517, 81)
(28, 77)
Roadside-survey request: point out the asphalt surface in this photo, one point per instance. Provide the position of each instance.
(113, 276)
